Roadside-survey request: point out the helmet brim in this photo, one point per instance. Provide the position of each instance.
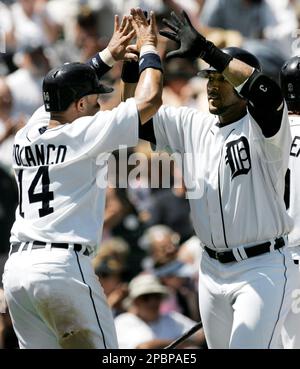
(204, 73)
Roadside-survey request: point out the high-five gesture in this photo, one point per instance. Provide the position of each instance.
(192, 43)
(148, 91)
(123, 33)
(146, 33)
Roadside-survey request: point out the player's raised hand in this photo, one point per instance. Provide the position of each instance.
(191, 43)
(146, 32)
(123, 33)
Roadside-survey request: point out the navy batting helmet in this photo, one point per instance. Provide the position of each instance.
(68, 83)
(290, 83)
(236, 53)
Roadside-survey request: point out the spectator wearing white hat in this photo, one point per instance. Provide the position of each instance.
(149, 329)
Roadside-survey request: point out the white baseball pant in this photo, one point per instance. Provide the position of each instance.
(56, 301)
(290, 333)
(244, 304)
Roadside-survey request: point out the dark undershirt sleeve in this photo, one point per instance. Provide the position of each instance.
(265, 102)
(146, 131)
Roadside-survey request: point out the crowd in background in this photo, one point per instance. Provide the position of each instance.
(147, 231)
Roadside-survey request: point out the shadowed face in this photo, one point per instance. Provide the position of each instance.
(92, 105)
(222, 98)
(147, 306)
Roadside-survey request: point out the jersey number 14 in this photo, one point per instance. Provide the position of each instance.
(44, 197)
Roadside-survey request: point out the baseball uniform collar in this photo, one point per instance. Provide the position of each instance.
(219, 125)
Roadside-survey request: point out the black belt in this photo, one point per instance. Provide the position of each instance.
(41, 245)
(251, 251)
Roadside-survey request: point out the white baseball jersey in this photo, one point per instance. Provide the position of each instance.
(290, 334)
(294, 178)
(235, 181)
(56, 170)
(238, 173)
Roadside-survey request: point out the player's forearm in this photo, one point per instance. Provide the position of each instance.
(237, 72)
(148, 94)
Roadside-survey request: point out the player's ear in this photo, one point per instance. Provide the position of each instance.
(80, 104)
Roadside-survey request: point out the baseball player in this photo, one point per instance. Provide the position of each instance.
(289, 80)
(234, 161)
(52, 292)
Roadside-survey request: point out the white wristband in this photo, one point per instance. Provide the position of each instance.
(106, 57)
(145, 49)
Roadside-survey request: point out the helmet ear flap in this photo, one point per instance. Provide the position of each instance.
(290, 83)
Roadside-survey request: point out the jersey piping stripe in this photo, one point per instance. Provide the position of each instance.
(212, 241)
(93, 302)
(283, 295)
(28, 137)
(220, 201)
(229, 133)
(55, 128)
(219, 188)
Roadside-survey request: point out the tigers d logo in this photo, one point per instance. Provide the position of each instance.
(238, 157)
